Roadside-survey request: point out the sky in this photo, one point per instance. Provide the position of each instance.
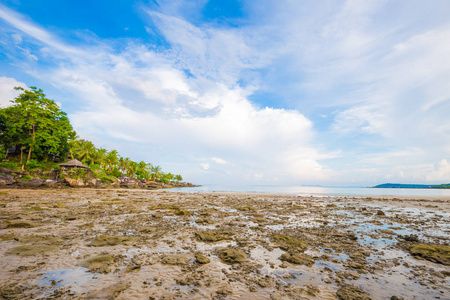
(257, 92)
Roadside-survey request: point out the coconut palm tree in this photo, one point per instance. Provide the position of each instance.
(155, 172)
(112, 159)
(98, 156)
(86, 149)
(132, 168)
(142, 171)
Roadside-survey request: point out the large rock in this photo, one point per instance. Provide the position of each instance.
(12, 172)
(81, 182)
(32, 183)
(51, 183)
(129, 181)
(6, 179)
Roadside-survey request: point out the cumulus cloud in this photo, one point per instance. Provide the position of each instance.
(7, 92)
(440, 172)
(144, 96)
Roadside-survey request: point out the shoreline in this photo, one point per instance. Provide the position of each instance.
(184, 191)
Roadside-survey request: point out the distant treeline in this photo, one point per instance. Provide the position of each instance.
(412, 186)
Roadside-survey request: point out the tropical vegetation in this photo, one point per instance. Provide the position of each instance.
(36, 133)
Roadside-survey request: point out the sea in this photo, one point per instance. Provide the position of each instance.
(319, 190)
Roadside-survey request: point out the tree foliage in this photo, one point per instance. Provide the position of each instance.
(35, 124)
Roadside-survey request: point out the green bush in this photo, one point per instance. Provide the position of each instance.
(115, 173)
(26, 178)
(32, 164)
(11, 165)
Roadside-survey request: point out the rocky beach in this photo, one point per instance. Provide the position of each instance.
(157, 244)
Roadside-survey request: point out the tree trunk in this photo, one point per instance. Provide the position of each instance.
(31, 146)
(29, 154)
(21, 156)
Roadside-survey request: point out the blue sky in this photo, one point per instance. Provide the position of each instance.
(332, 92)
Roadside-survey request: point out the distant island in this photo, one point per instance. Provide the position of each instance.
(412, 186)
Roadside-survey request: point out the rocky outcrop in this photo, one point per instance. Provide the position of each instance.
(81, 182)
(77, 178)
(32, 183)
(12, 172)
(129, 182)
(6, 180)
(52, 183)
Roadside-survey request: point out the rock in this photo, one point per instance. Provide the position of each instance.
(214, 235)
(128, 180)
(297, 259)
(6, 179)
(289, 243)
(202, 259)
(33, 182)
(51, 183)
(175, 259)
(350, 292)
(436, 253)
(12, 172)
(6, 170)
(411, 238)
(81, 182)
(232, 256)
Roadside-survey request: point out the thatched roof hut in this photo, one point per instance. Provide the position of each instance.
(74, 163)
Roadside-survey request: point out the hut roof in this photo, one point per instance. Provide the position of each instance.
(73, 163)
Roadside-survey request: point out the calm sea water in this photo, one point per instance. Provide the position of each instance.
(320, 191)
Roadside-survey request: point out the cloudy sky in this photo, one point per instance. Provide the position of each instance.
(332, 92)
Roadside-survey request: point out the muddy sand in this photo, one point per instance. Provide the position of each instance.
(140, 244)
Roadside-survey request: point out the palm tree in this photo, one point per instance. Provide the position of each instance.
(155, 172)
(142, 171)
(98, 156)
(132, 168)
(75, 149)
(85, 150)
(179, 177)
(112, 159)
(101, 156)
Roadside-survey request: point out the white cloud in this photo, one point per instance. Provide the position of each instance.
(19, 22)
(7, 92)
(440, 172)
(219, 160)
(205, 166)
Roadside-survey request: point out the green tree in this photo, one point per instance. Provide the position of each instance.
(142, 170)
(155, 172)
(123, 164)
(99, 156)
(37, 124)
(112, 159)
(88, 151)
(132, 168)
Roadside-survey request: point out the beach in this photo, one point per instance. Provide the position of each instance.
(159, 244)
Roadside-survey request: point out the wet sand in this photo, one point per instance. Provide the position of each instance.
(140, 244)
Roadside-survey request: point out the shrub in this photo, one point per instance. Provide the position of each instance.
(32, 164)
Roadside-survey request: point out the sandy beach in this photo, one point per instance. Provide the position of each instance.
(141, 244)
